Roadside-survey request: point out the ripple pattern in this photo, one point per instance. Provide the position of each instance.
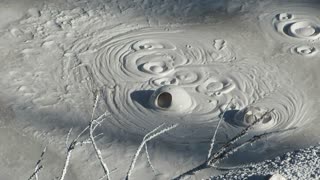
(243, 85)
(290, 110)
(146, 54)
(131, 66)
(182, 76)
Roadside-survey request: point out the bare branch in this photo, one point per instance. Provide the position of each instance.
(149, 159)
(104, 176)
(68, 136)
(218, 154)
(161, 132)
(70, 149)
(38, 166)
(95, 105)
(67, 161)
(147, 138)
(73, 144)
(192, 171)
(210, 162)
(79, 135)
(93, 125)
(98, 152)
(35, 172)
(69, 152)
(222, 168)
(215, 132)
(250, 141)
(154, 130)
(88, 141)
(39, 161)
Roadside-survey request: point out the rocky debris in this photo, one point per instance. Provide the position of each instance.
(303, 164)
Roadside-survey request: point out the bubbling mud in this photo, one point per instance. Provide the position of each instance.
(293, 24)
(302, 28)
(290, 110)
(297, 28)
(240, 86)
(138, 68)
(284, 16)
(305, 50)
(182, 76)
(250, 114)
(131, 65)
